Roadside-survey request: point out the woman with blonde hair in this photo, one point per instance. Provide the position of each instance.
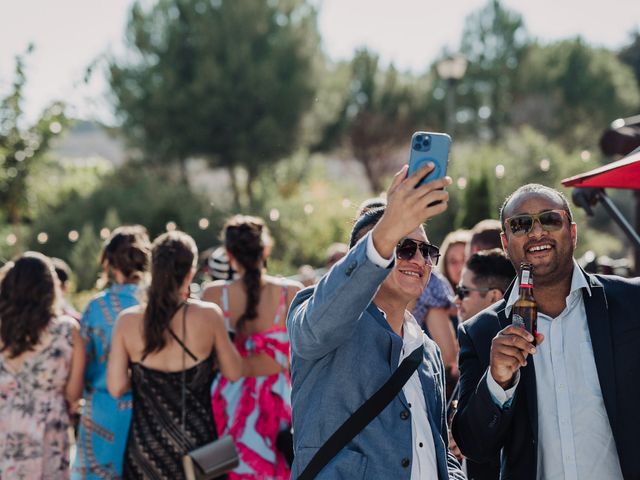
(41, 367)
(453, 255)
(257, 408)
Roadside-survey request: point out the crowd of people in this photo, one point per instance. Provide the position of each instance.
(395, 359)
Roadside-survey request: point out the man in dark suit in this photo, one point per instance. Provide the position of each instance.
(565, 408)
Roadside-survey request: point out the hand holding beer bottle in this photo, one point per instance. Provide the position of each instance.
(513, 344)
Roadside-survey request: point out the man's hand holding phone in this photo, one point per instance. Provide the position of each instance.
(409, 205)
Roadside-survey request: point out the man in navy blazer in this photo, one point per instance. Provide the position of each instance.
(350, 332)
(566, 408)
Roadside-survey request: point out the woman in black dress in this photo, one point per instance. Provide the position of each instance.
(160, 343)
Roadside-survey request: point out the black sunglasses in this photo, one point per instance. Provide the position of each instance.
(463, 292)
(407, 248)
(551, 221)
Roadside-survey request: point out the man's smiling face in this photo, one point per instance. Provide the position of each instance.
(549, 251)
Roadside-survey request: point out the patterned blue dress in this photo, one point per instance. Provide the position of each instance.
(104, 425)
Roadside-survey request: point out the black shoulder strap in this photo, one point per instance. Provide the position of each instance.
(364, 415)
(177, 339)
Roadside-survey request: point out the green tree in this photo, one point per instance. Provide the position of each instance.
(84, 258)
(21, 148)
(494, 42)
(631, 54)
(225, 80)
(377, 118)
(478, 201)
(571, 91)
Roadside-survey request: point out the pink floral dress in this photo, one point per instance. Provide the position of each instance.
(34, 419)
(253, 410)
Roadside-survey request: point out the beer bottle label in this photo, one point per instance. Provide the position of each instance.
(518, 321)
(526, 277)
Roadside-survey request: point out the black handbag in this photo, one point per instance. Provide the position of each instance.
(213, 459)
(363, 415)
(284, 444)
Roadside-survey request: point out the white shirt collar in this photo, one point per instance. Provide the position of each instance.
(578, 282)
(412, 334)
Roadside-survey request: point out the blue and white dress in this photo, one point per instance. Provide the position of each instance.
(104, 425)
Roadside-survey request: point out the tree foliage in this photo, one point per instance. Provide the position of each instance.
(225, 80)
(630, 54)
(494, 42)
(571, 91)
(22, 147)
(378, 115)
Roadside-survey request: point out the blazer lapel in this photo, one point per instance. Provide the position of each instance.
(600, 331)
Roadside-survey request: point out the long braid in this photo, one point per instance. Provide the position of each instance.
(244, 237)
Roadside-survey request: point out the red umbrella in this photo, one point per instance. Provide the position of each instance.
(624, 173)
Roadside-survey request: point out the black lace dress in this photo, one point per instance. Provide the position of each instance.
(157, 442)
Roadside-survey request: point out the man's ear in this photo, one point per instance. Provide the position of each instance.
(504, 241)
(495, 295)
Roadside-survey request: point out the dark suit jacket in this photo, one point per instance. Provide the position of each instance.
(481, 428)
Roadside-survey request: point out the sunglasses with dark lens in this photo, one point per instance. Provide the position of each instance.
(551, 221)
(463, 292)
(407, 248)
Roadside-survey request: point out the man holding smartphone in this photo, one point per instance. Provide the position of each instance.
(350, 332)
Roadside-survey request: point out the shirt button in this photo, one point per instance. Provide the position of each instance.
(404, 415)
(420, 445)
(405, 462)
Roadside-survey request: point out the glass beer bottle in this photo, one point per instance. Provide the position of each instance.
(525, 311)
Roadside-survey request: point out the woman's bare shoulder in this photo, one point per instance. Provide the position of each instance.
(204, 308)
(130, 317)
(212, 290)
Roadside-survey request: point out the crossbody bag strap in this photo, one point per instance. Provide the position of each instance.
(364, 415)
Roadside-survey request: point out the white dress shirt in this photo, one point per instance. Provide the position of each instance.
(424, 464)
(575, 441)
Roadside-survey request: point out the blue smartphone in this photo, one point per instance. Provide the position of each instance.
(429, 147)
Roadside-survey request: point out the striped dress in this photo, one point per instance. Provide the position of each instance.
(254, 409)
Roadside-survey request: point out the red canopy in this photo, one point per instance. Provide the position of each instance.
(624, 173)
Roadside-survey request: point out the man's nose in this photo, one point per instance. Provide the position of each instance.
(536, 228)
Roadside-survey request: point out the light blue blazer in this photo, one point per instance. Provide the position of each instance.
(343, 350)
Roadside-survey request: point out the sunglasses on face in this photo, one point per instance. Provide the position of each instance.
(407, 248)
(550, 221)
(463, 292)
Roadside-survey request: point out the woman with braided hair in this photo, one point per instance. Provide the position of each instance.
(164, 353)
(255, 305)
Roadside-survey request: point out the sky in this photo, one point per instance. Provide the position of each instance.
(69, 35)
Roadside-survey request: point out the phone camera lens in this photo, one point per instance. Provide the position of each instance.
(417, 146)
(419, 138)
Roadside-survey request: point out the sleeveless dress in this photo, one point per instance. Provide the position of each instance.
(104, 424)
(157, 441)
(34, 420)
(254, 409)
